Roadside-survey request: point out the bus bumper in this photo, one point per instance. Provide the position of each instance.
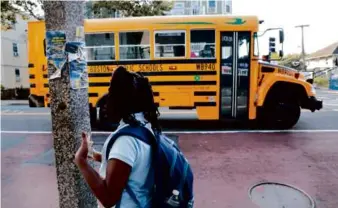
(313, 104)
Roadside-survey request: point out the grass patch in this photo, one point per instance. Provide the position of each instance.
(322, 81)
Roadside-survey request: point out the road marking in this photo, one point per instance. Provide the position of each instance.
(330, 104)
(328, 91)
(199, 132)
(177, 112)
(21, 113)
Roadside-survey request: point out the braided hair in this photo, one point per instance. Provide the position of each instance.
(131, 93)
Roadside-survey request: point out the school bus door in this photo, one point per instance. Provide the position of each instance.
(234, 74)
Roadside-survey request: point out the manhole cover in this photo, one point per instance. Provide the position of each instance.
(278, 195)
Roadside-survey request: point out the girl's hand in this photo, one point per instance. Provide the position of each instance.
(96, 156)
(82, 153)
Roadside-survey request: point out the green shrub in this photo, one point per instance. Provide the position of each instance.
(322, 81)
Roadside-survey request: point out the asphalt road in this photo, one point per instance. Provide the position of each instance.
(23, 118)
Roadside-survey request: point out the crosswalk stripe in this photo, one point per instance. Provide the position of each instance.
(330, 104)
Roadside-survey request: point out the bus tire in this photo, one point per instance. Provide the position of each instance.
(31, 103)
(104, 122)
(103, 116)
(280, 114)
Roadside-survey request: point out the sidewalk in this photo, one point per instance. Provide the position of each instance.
(225, 167)
(14, 102)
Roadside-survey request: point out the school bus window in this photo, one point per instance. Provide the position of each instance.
(134, 45)
(202, 44)
(256, 48)
(170, 43)
(227, 43)
(244, 46)
(100, 46)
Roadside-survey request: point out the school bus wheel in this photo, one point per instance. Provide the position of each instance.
(281, 114)
(281, 109)
(93, 115)
(103, 116)
(104, 122)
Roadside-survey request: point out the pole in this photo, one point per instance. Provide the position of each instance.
(303, 47)
(69, 106)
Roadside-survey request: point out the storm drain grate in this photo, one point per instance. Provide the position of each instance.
(279, 195)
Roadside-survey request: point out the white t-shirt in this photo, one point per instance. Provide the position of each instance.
(137, 154)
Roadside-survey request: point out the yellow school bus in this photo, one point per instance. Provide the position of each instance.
(208, 63)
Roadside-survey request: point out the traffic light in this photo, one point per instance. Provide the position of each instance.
(272, 45)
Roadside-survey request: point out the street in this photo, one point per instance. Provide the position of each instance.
(21, 117)
(226, 160)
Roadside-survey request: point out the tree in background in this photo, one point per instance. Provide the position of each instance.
(292, 61)
(11, 9)
(128, 8)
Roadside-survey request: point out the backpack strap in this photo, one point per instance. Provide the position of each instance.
(139, 132)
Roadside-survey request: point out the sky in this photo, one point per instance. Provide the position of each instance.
(321, 15)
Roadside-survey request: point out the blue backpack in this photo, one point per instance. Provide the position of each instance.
(171, 169)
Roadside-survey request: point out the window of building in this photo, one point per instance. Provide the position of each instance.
(17, 75)
(227, 9)
(134, 45)
(100, 46)
(202, 44)
(15, 50)
(212, 7)
(195, 5)
(170, 43)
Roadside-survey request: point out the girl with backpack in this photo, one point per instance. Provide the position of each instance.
(134, 158)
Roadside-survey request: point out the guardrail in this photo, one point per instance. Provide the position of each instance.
(317, 73)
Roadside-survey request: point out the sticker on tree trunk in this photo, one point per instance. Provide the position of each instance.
(55, 52)
(78, 72)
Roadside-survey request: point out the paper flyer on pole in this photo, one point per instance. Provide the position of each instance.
(55, 51)
(77, 65)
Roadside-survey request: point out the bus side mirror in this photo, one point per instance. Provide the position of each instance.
(281, 36)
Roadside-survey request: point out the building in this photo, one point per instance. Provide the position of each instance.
(201, 7)
(323, 58)
(14, 56)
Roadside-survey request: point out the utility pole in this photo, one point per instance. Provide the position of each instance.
(69, 104)
(303, 50)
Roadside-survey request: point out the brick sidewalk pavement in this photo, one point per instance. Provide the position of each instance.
(225, 166)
